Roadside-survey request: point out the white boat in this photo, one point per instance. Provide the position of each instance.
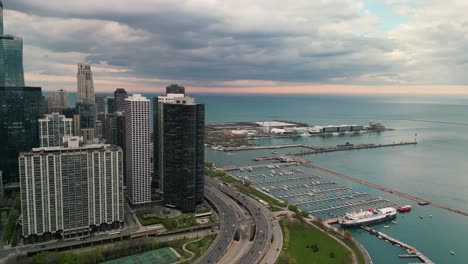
(362, 131)
(305, 134)
(348, 133)
(231, 154)
(371, 216)
(335, 134)
(451, 252)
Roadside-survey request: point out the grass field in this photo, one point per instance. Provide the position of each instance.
(304, 244)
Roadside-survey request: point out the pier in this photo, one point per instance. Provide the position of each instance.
(353, 147)
(385, 189)
(412, 251)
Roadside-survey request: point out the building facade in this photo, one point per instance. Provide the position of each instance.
(85, 83)
(11, 58)
(179, 125)
(20, 109)
(71, 190)
(119, 99)
(53, 128)
(137, 150)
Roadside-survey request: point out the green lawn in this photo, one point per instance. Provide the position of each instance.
(300, 242)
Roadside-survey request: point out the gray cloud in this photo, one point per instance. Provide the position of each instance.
(206, 43)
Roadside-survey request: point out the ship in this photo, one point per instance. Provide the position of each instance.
(370, 216)
(404, 209)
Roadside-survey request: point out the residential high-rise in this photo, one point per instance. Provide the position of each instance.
(137, 151)
(11, 58)
(179, 125)
(20, 109)
(71, 190)
(119, 96)
(85, 83)
(57, 101)
(53, 128)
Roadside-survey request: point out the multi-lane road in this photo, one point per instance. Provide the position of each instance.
(263, 231)
(227, 226)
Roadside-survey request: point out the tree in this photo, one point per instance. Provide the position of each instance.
(292, 207)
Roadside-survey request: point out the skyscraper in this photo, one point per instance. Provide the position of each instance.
(137, 151)
(20, 109)
(85, 83)
(53, 128)
(179, 125)
(11, 58)
(71, 190)
(119, 95)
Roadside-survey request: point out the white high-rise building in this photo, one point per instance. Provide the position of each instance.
(85, 83)
(53, 128)
(137, 151)
(71, 190)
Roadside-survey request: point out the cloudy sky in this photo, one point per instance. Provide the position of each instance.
(295, 46)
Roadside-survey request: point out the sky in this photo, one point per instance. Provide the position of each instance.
(246, 46)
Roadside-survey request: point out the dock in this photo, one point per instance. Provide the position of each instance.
(412, 251)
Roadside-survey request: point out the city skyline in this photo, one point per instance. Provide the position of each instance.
(328, 47)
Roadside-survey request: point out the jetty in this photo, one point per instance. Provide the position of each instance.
(412, 251)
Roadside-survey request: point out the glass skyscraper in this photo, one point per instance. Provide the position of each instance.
(179, 132)
(11, 58)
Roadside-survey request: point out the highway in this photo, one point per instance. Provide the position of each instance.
(263, 231)
(227, 226)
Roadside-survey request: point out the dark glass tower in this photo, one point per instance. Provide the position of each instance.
(20, 109)
(11, 58)
(179, 150)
